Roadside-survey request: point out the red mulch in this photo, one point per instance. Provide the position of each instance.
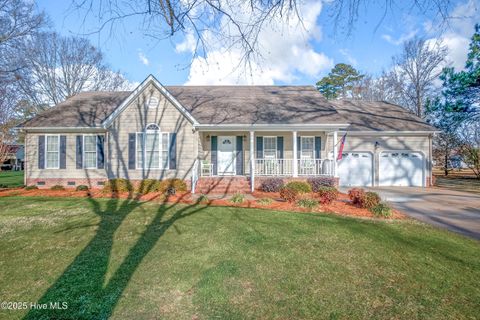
(342, 206)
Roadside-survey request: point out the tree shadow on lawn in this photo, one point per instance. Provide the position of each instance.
(83, 284)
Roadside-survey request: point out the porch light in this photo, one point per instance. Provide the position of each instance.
(208, 137)
(376, 145)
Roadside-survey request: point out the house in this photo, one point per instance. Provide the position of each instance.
(14, 157)
(225, 137)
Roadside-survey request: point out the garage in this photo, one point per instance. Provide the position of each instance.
(356, 169)
(401, 168)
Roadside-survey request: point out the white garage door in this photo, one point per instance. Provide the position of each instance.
(356, 169)
(398, 168)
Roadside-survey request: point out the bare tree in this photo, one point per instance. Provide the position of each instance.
(415, 70)
(61, 67)
(18, 22)
(470, 146)
(235, 23)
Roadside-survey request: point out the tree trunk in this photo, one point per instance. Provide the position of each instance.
(445, 165)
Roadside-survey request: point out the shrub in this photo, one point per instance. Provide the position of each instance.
(237, 198)
(57, 187)
(299, 186)
(381, 210)
(118, 185)
(82, 187)
(172, 185)
(272, 185)
(372, 199)
(2, 186)
(265, 201)
(203, 199)
(307, 203)
(31, 187)
(290, 195)
(148, 185)
(317, 182)
(357, 196)
(327, 194)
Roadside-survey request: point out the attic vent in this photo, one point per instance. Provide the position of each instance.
(153, 102)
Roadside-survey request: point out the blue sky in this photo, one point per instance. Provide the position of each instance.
(369, 49)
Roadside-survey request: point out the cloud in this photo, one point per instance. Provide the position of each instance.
(143, 58)
(284, 52)
(404, 37)
(350, 59)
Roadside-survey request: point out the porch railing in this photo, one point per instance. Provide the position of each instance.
(284, 167)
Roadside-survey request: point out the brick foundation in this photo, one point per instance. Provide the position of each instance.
(223, 185)
(91, 183)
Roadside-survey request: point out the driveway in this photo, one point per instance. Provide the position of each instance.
(453, 210)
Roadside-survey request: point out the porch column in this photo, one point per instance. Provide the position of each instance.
(295, 148)
(252, 161)
(335, 154)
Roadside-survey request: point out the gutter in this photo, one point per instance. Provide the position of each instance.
(270, 127)
(61, 129)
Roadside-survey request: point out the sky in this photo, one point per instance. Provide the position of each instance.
(291, 54)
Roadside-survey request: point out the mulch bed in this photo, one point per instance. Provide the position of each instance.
(342, 206)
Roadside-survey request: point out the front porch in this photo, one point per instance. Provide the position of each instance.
(288, 154)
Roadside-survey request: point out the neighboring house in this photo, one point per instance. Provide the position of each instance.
(15, 158)
(237, 134)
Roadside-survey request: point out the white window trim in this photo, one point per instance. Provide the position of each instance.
(160, 149)
(301, 146)
(83, 152)
(46, 151)
(276, 144)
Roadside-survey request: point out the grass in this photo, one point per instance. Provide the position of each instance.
(122, 259)
(11, 179)
(458, 183)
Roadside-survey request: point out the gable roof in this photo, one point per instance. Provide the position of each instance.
(238, 105)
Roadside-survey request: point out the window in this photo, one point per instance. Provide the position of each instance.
(152, 148)
(90, 152)
(269, 147)
(52, 152)
(153, 102)
(307, 147)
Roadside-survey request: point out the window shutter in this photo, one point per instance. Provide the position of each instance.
(63, 152)
(172, 151)
(100, 152)
(41, 152)
(318, 147)
(213, 153)
(79, 152)
(239, 155)
(259, 147)
(131, 151)
(299, 147)
(280, 147)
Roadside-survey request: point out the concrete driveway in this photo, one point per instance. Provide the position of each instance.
(453, 210)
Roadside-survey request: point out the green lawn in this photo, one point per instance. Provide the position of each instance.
(11, 179)
(129, 260)
(468, 184)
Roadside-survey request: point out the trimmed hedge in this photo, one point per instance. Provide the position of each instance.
(148, 185)
(118, 185)
(371, 200)
(318, 182)
(31, 187)
(299, 186)
(272, 185)
(288, 194)
(57, 187)
(82, 187)
(327, 194)
(172, 185)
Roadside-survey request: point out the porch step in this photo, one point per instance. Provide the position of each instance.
(222, 185)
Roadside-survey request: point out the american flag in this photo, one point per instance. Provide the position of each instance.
(342, 144)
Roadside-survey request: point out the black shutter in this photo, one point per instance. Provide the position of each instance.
(239, 155)
(63, 152)
(318, 147)
(79, 152)
(131, 151)
(259, 147)
(100, 152)
(213, 153)
(280, 147)
(41, 152)
(172, 151)
(299, 147)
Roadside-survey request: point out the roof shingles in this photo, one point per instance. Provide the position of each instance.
(242, 105)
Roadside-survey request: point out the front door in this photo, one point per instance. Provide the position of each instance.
(226, 155)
